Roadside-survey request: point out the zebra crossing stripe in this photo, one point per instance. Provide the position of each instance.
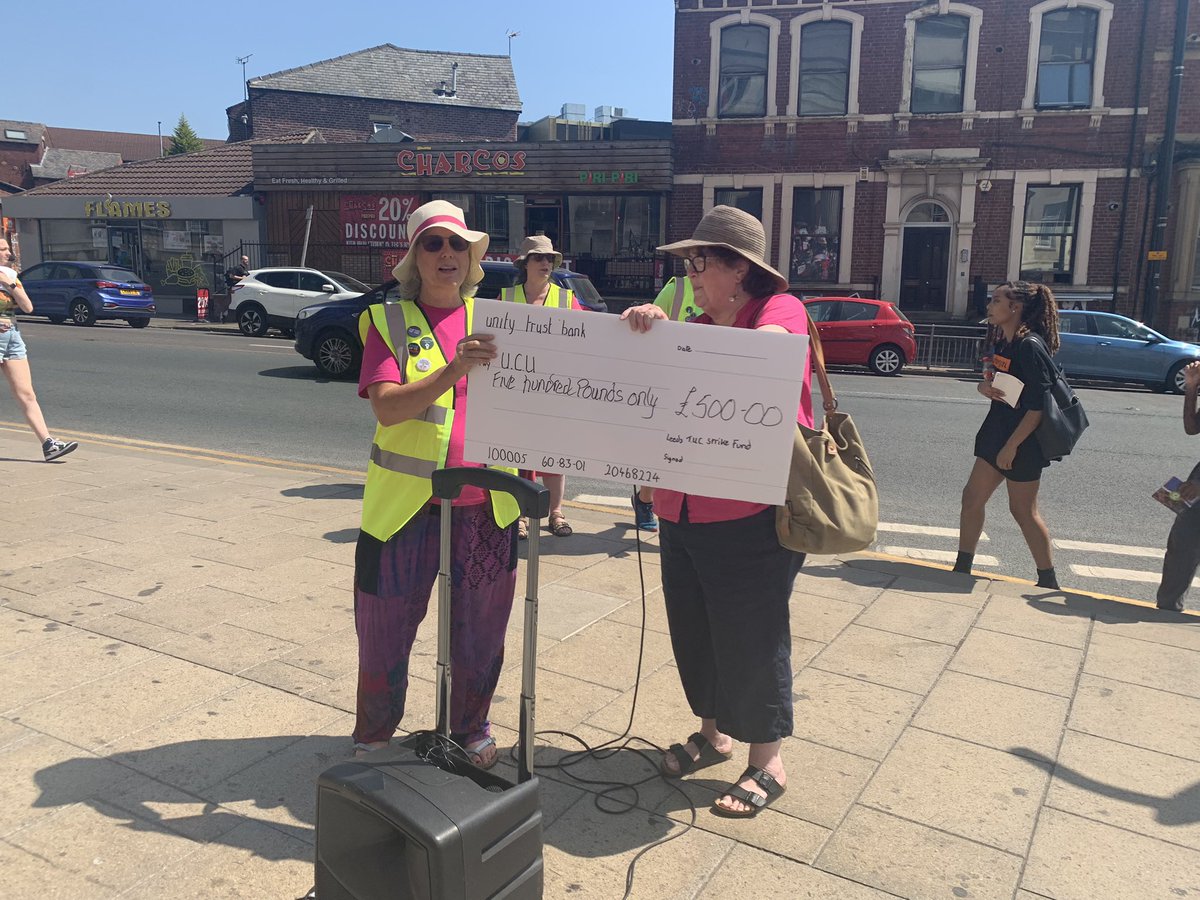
(1115, 549)
(931, 530)
(947, 556)
(1121, 574)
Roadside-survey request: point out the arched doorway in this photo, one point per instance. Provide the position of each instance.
(925, 258)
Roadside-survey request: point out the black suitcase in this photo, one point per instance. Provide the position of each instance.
(417, 820)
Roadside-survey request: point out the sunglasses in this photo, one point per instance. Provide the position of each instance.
(433, 243)
(541, 257)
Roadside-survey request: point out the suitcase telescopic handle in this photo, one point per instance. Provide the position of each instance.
(531, 497)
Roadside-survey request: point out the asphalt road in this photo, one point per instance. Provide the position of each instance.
(224, 392)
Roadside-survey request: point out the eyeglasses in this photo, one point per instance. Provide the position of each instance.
(695, 263)
(433, 243)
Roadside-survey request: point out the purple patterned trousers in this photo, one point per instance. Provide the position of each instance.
(393, 582)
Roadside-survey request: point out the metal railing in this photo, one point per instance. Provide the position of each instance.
(950, 346)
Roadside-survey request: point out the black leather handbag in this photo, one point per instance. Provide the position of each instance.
(1063, 417)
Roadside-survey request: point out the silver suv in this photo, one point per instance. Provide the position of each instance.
(271, 298)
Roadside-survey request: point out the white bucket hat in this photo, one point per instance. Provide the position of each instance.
(441, 214)
(538, 243)
(733, 229)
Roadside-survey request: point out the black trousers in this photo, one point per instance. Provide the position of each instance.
(727, 587)
(1183, 555)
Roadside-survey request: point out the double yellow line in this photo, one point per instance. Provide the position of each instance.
(187, 452)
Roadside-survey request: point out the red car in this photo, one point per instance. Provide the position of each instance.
(856, 331)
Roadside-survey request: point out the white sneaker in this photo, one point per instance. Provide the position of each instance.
(53, 449)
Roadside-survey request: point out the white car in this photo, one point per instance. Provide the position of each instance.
(271, 298)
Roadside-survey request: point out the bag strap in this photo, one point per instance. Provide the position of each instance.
(829, 400)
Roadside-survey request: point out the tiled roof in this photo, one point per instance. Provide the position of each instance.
(130, 146)
(64, 163)
(224, 171)
(33, 131)
(388, 72)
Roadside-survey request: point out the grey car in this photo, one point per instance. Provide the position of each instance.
(1098, 345)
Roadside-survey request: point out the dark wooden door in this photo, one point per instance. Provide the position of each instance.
(924, 268)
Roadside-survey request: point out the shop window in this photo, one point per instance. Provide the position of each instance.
(939, 64)
(74, 239)
(748, 200)
(824, 68)
(484, 212)
(1066, 59)
(638, 225)
(742, 89)
(592, 226)
(816, 234)
(1048, 237)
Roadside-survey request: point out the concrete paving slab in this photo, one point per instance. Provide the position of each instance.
(880, 657)
(747, 872)
(39, 552)
(564, 611)
(820, 618)
(562, 701)
(985, 795)
(276, 581)
(919, 617)
(616, 666)
(1139, 790)
(839, 582)
(1139, 716)
(302, 618)
(1156, 627)
(1050, 620)
(286, 677)
(1077, 859)
(911, 860)
(617, 578)
(73, 606)
(169, 577)
(333, 655)
(1025, 662)
(21, 629)
(662, 714)
(850, 714)
(228, 648)
(193, 611)
(1001, 716)
(1165, 668)
(29, 875)
(59, 573)
(824, 782)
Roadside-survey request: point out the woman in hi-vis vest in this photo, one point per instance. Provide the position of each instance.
(416, 356)
(535, 264)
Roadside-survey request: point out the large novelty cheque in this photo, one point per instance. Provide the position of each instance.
(696, 408)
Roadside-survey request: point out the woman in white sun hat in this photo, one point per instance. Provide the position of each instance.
(535, 264)
(416, 356)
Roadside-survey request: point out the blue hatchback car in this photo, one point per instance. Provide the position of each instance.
(86, 291)
(327, 333)
(1105, 346)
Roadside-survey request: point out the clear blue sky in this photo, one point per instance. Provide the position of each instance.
(123, 66)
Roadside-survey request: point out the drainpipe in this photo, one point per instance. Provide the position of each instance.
(1166, 163)
(1129, 155)
(453, 79)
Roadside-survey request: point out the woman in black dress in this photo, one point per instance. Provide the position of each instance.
(1024, 316)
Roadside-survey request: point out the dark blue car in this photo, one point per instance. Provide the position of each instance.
(327, 333)
(86, 291)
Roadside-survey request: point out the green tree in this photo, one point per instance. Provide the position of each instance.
(183, 139)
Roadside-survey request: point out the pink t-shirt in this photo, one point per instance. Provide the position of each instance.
(378, 364)
(788, 313)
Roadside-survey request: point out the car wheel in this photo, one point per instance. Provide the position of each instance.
(1175, 380)
(252, 320)
(138, 323)
(337, 355)
(81, 313)
(56, 320)
(886, 359)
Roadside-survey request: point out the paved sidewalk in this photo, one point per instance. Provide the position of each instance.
(177, 657)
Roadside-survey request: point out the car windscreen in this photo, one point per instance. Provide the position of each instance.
(583, 288)
(350, 284)
(110, 273)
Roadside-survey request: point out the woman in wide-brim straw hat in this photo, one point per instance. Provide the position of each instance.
(416, 356)
(726, 580)
(535, 263)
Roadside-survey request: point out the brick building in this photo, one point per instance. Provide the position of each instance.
(917, 149)
(430, 95)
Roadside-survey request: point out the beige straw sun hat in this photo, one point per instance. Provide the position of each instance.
(441, 214)
(735, 230)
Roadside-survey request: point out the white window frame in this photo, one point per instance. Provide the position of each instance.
(745, 17)
(1022, 181)
(712, 183)
(848, 182)
(1104, 11)
(825, 14)
(974, 17)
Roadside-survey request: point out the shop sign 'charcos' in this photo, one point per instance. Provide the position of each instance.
(461, 162)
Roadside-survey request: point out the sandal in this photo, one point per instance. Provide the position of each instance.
(709, 756)
(559, 526)
(756, 802)
(522, 529)
(475, 751)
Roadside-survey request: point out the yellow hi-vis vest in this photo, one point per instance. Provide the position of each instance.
(678, 300)
(405, 455)
(556, 298)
